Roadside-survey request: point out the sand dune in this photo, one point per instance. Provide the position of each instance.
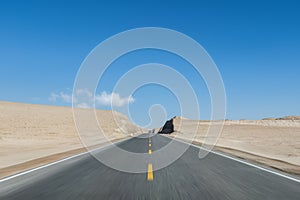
(29, 132)
(32, 135)
(272, 142)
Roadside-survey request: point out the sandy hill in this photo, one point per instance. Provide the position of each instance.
(272, 142)
(284, 118)
(30, 132)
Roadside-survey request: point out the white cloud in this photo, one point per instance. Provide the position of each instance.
(113, 99)
(82, 105)
(84, 99)
(84, 92)
(60, 97)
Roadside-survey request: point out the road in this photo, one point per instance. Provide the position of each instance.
(214, 177)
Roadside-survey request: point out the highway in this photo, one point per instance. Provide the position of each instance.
(214, 177)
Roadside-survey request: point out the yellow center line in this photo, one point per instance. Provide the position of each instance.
(150, 172)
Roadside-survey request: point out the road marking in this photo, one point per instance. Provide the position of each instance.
(59, 161)
(149, 145)
(240, 161)
(150, 151)
(150, 172)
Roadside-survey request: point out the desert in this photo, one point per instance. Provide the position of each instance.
(274, 142)
(33, 135)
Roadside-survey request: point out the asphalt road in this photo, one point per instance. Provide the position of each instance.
(214, 177)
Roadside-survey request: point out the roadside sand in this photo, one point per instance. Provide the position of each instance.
(275, 143)
(32, 135)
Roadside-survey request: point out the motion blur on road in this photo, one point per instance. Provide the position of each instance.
(214, 177)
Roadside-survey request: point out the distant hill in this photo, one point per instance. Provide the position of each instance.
(283, 118)
(29, 132)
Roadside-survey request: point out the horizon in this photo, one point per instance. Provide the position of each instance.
(68, 106)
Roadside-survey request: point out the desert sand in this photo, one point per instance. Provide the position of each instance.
(32, 135)
(272, 142)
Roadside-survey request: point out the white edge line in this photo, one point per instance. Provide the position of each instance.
(103, 147)
(239, 160)
(59, 161)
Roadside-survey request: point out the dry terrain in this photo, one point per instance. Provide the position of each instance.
(274, 141)
(32, 135)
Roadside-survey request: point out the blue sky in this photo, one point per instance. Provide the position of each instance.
(255, 44)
